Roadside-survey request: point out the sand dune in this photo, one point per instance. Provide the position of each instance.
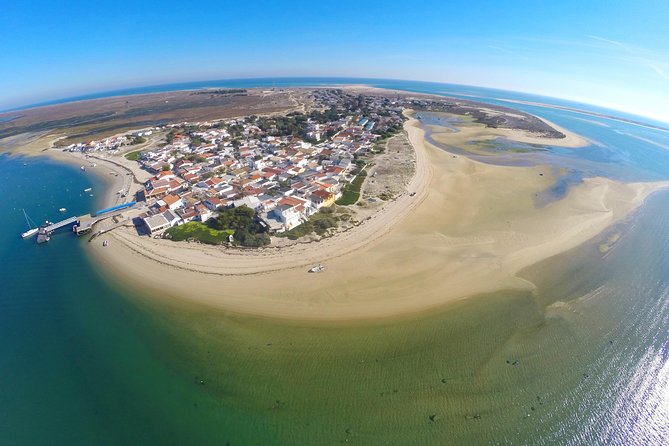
(469, 230)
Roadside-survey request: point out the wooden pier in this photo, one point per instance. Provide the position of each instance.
(84, 223)
(68, 221)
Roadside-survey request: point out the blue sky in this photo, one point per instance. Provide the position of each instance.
(611, 53)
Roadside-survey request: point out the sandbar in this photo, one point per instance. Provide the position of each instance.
(477, 132)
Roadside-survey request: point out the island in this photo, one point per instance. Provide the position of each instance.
(234, 198)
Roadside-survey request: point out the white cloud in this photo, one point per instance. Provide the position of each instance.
(650, 59)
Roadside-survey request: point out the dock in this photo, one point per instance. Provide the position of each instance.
(84, 223)
(87, 222)
(62, 223)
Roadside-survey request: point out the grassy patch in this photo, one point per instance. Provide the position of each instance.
(133, 156)
(351, 192)
(195, 230)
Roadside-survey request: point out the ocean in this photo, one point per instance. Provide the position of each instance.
(584, 359)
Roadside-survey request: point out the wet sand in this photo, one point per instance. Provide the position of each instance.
(470, 228)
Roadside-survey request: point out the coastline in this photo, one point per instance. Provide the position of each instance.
(571, 139)
(109, 172)
(461, 217)
(469, 229)
(270, 259)
(113, 176)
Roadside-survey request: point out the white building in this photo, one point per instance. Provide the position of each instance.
(156, 223)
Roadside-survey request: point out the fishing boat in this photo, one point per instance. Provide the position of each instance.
(317, 269)
(32, 227)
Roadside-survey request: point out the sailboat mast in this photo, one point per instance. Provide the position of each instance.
(30, 223)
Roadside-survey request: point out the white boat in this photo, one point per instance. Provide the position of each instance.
(32, 228)
(29, 233)
(82, 167)
(88, 189)
(62, 209)
(317, 269)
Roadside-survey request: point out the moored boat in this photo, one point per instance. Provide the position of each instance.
(317, 269)
(29, 233)
(32, 228)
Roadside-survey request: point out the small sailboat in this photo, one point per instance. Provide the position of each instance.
(29, 232)
(62, 209)
(32, 228)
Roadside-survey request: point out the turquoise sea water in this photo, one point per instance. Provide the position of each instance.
(583, 360)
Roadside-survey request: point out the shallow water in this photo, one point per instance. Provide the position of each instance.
(582, 360)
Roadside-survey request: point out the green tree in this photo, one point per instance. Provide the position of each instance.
(241, 220)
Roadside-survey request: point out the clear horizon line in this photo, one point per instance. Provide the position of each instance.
(128, 91)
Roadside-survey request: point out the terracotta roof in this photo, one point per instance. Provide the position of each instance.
(323, 194)
(170, 199)
(291, 201)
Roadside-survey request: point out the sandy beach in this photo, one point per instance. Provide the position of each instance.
(470, 228)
